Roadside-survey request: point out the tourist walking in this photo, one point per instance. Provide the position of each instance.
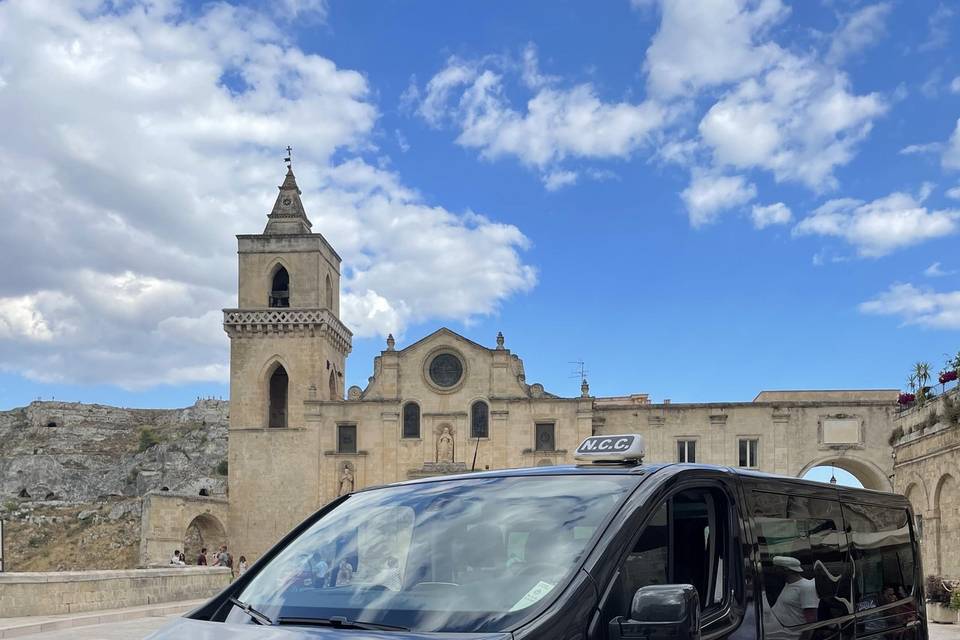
(202, 558)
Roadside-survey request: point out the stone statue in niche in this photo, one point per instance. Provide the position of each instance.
(346, 480)
(445, 446)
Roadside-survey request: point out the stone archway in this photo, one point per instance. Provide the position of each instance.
(204, 531)
(946, 509)
(868, 473)
(172, 521)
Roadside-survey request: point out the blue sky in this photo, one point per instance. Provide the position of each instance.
(700, 200)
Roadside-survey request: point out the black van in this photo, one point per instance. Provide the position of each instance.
(604, 550)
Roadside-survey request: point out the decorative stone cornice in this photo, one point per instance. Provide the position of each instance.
(245, 323)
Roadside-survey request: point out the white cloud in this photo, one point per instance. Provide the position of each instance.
(433, 107)
(882, 226)
(425, 262)
(300, 9)
(556, 180)
(955, 85)
(371, 314)
(799, 120)
(859, 30)
(929, 147)
(705, 43)
(793, 114)
(939, 28)
(708, 195)
(951, 154)
(147, 135)
(953, 192)
(936, 271)
(556, 124)
(776, 213)
(915, 305)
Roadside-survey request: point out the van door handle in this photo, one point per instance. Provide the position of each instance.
(912, 624)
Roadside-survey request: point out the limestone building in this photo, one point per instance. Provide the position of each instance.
(926, 448)
(445, 403)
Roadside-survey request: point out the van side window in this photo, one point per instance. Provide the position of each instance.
(883, 552)
(806, 570)
(685, 542)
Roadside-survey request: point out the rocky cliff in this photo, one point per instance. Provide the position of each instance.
(72, 475)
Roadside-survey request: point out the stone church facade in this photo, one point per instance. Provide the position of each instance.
(445, 403)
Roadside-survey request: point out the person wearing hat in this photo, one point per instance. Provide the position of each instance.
(798, 601)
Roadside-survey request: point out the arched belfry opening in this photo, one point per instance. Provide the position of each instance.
(333, 385)
(329, 293)
(279, 383)
(280, 288)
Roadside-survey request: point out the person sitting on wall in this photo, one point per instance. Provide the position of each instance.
(176, 558)
(202, 558)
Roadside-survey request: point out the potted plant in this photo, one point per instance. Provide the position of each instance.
(938, 601)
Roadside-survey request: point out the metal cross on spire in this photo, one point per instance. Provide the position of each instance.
(289, 158)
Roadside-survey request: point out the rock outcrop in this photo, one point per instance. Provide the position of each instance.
(72, 476)
(83, 453)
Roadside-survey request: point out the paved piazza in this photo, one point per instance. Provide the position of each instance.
(126, 630)
(136, 629)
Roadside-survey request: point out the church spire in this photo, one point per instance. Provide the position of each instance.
(288, 215)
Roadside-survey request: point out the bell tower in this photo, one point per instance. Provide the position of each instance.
(287, 343)
(287, 347)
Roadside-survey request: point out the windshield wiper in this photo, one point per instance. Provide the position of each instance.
(339, 622)
(259, 618)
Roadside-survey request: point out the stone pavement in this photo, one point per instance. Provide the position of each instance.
(126, 630)
(74, 625)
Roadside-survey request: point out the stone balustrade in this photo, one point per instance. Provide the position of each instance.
(59, 592)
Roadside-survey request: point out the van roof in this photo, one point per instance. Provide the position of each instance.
(647, 470)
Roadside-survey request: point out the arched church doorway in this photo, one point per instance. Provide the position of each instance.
(847, 471)
(204, 531)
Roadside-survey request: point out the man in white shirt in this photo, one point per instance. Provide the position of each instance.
(797, 603)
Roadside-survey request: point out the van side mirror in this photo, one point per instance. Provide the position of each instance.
(661, 612)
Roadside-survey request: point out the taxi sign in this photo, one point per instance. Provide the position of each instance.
(620, 448)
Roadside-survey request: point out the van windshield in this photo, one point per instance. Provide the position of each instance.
(464, 555)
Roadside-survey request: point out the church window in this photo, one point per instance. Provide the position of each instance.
(411, 420)
(346, 438)
(278, 397)
(479, 420)
(446, 370)
(333, 385)
(545, 436)
(686, 450)
(280, 288)
(329, 292)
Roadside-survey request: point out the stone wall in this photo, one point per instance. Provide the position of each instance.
(41, 594)
(927, 471)
(793, 435)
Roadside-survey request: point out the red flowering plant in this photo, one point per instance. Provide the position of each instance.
(948, 376)
(906, 398)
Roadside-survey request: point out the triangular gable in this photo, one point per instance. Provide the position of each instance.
(445, 331)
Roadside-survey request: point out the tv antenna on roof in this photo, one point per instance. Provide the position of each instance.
(580, 371)
(289, 158)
